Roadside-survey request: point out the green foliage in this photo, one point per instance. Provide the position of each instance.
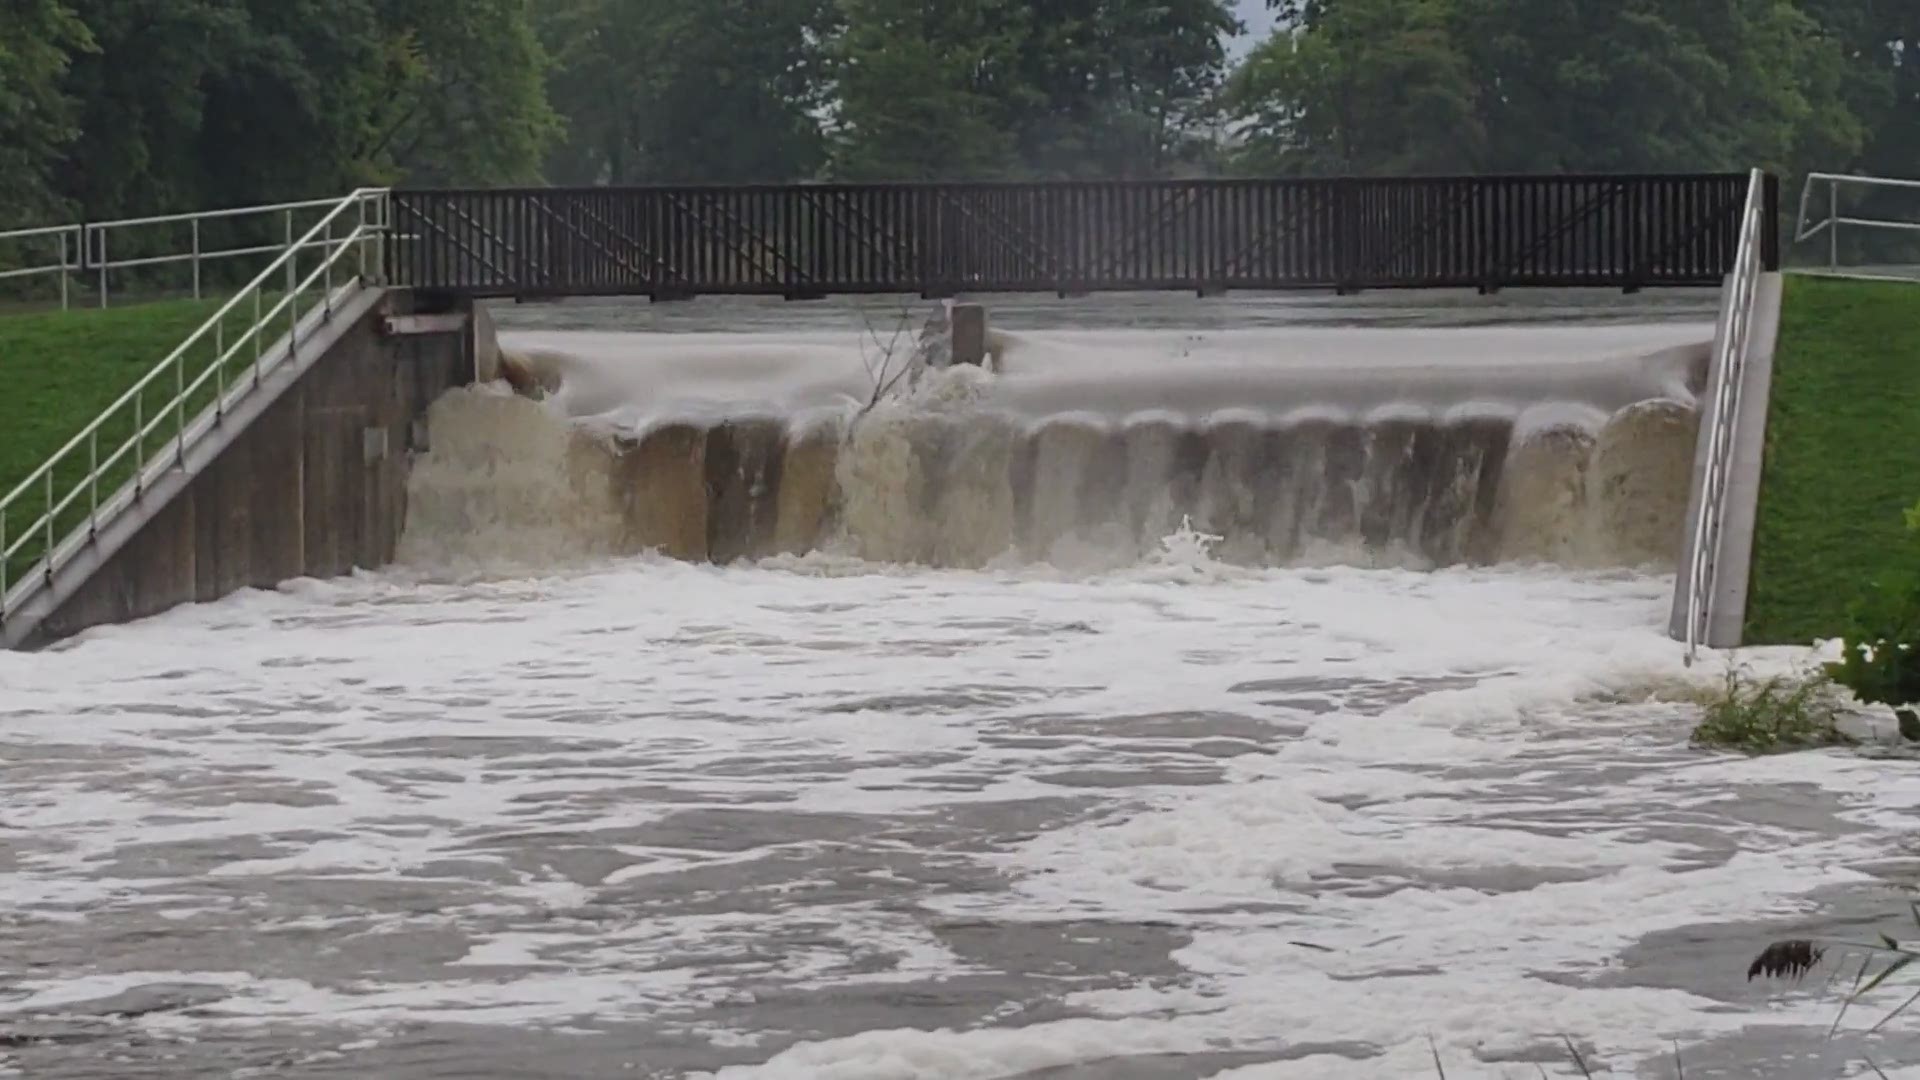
(1648, 86)
(124, 107)
(1560, 85)
(928, 91)
(1772, 715)
(113, 107)
(139, 98)
(36, 119)
(1377, 86)
(1882, 83)
(1880, 658)
(663, 90)
(1122, 85)
(985, 88)
(461, 98)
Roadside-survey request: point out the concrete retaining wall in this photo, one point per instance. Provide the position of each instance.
(1727, 607)
(311, 483)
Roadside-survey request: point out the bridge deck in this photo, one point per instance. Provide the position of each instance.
(811, 240)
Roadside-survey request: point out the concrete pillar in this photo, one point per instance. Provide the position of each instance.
(967, 327)
(485, 343)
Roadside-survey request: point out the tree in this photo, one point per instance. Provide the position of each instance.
(1367, 86)
(927, 89)
(463, 98)
(190, 103)
(286, 112)
(1121, 87)
(1304, 14)
(1879, 43)
(661, 90)
(1539, 86)
(37, 118)
(139, 99)
(1649, 85)
(970, 88)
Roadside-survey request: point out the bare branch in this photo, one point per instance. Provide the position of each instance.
(882, 371)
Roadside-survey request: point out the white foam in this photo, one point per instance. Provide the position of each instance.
(975, 1055)
(635, 380)
(1453, 783)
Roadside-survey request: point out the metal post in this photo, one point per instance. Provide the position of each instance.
(383, 242)
(291, 259)
(196, 257)
(3, 565)
(256, 337)
(65, 263)
(47, 558)
(326, 268)
(180, 406)
(1833, 225)
(139, 441)
(220, 369)
(93, 483)
(103, 268)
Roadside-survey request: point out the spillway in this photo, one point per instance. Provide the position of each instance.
(1143, 795)
(1079, 449)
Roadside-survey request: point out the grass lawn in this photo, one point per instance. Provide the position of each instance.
(62, 368)
(1842, 454)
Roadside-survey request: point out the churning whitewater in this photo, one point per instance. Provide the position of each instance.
(1077, 449)
(1209, 703)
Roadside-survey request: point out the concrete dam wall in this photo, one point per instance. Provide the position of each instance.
(308, 479)
(1084, 450)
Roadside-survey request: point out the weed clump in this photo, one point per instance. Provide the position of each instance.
(1880, 662)
(1773, 715)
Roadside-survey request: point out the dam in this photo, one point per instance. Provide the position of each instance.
(1236, 688)
(1246, 687)
(1074, 448)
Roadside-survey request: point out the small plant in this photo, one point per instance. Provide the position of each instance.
(1772, 715)
(1879, 660)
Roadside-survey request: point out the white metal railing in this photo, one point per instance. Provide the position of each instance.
(62, 516)
(85, 251)
(62, 242)
(1805, 228)
(1729, 370)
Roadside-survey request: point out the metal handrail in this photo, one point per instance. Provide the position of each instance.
(226, 212)
(368, 228)
(1729, 369)
(86, 247)
(1805, 230)
(72, 244)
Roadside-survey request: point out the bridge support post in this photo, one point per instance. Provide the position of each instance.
(967, 330)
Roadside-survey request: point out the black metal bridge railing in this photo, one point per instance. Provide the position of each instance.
(811, 240)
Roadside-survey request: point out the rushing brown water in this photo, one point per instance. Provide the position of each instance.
(977, 777)
(1082, 448)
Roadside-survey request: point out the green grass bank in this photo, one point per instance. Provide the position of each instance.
(62, 368)
(1842, 457)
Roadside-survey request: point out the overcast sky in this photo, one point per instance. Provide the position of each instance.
(1259, 21)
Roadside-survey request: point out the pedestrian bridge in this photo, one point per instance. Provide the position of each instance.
(319, 369)
(805, 241)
